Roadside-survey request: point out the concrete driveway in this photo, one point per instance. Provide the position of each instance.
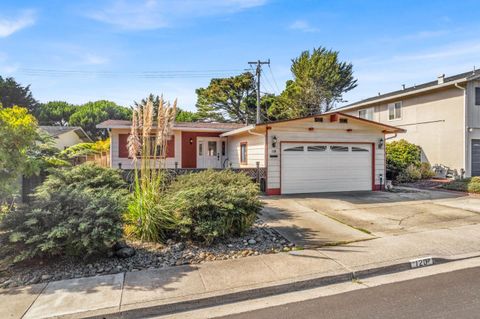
(332, 218)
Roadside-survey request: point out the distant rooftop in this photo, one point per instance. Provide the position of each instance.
(441, 81)
(179, 125)
(56, 130)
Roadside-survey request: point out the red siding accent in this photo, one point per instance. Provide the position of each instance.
(273, 191)
(122, 145)
(189, 151)
(334, 117)
(123, 148)
(171, 146)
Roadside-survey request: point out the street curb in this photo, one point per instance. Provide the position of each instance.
(267, 291)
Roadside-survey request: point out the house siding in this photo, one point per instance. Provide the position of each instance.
(473, 123)
(67, 139)
(322, 132)
(434, 121)
(255, 150)
(127, 163)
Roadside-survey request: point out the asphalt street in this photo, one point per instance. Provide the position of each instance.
(450, 295)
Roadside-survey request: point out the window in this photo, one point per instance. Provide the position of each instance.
(319, 119)
(243, 153)
(477, 96)
(223, 148)
(294, 149)
(343, 121)
(336, 148)
(395, 111)
(200, 149)
(366, 114)
(359, 149)
(212, 148)
(316, 148)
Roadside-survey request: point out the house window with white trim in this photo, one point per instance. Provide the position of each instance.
(477, 96)
(366, 114)
(395, 111)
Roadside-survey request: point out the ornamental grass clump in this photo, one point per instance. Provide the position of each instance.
(150, 216)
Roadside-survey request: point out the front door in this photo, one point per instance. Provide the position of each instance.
(209, 152)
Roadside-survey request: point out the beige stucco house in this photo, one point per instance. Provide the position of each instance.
(442, 116)
(66, 136)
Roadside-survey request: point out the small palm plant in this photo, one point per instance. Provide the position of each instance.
(149, 216)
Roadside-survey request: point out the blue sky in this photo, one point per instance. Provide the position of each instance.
(122, 50)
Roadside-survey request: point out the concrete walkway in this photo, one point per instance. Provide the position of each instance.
(223, 281)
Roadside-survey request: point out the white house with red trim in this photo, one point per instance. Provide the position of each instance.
(323, 153)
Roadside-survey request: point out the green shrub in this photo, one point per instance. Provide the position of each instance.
(76, 211)
(400, 155)
(426, 171)
(471, 185)
(410, 174)
(214, 204)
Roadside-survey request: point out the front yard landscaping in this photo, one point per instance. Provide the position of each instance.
(469, 185)
(86, 220)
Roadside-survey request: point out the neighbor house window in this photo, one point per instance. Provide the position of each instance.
(477, 96)
(366, 114)
(395, 111)
(243, 153)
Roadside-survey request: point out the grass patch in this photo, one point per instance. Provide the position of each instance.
(469, 185)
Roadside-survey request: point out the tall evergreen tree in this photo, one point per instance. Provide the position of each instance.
(13, 93)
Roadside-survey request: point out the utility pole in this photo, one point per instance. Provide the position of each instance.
(258, 71)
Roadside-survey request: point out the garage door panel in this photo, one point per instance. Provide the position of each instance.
(325, 170)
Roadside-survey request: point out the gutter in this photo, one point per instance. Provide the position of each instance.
(254, 133)
(465, 129)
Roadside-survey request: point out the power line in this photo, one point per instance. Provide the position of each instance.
(273, 77)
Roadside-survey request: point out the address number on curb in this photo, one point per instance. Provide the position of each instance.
(421, 262)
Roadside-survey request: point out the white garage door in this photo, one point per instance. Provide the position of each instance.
(314, 167)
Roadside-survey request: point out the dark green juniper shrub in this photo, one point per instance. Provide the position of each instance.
(214, 204)
(76, 211)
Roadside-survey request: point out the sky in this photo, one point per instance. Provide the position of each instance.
(122, 50)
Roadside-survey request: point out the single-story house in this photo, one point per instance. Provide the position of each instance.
(323, 153)
(66, 136)
(441, 116)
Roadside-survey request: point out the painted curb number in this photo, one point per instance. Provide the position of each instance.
(421, 262)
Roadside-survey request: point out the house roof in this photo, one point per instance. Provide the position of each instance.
(385, 128)
(432, 85)
(57, 130)
(183, 126)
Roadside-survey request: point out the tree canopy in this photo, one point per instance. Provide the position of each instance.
(90, 114)
(18, 135)
(319, 82)
(12, 93)
(228, 99)
(55, 113)
(182, 115)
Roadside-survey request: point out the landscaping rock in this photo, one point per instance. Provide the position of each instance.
(141, 256)
(125, 252)
(120, 245)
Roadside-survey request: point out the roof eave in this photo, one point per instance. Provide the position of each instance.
(393, 97)
(238, 130)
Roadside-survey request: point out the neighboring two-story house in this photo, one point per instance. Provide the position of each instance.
(442, 117)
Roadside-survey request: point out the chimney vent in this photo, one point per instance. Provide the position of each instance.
(403, 86)
(441, 79)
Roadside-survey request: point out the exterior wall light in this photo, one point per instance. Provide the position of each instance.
(274, 141)
(380, 143)
(190, 141)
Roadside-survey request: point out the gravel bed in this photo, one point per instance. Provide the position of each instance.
(261, 239)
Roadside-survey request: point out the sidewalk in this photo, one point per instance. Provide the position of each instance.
(138, 294)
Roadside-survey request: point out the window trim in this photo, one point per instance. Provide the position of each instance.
(367, 110)
(388, 111)
(475, 98)
(244, 161)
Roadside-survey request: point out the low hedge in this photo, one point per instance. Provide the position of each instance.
(470, 185)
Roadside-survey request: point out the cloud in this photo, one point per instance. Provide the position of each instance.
(156, 14)
(10, 26)
(302, 25)
(93, 59)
